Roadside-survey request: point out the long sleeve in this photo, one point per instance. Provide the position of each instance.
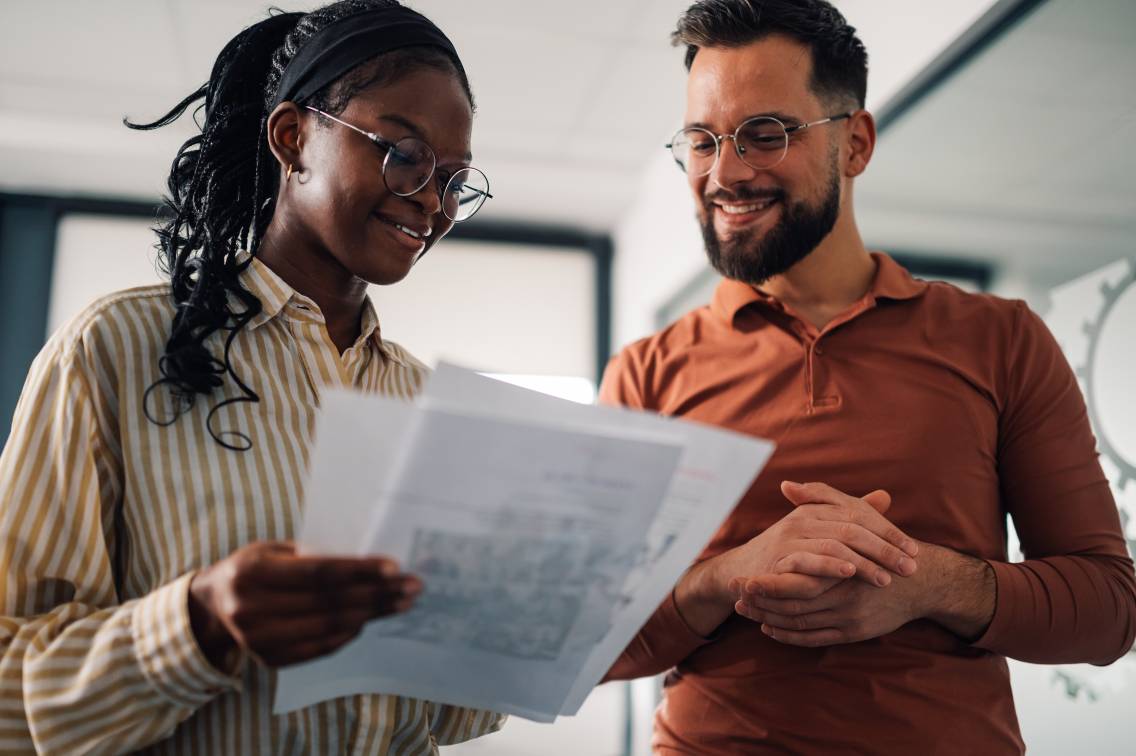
(1074, 598)
(660, 644)
(666, 639)
(80, 671)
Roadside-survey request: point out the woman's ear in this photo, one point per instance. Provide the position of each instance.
(285, 137)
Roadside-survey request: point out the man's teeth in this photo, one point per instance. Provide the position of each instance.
(741, 209)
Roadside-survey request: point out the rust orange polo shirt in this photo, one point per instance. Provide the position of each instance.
(963, 407)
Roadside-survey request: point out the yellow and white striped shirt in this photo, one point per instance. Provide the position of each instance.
(104, 516)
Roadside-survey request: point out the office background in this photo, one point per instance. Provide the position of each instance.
(1005, 163)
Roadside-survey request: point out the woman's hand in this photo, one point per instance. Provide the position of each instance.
(284, 609)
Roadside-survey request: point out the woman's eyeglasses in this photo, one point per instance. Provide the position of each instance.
(409, 164)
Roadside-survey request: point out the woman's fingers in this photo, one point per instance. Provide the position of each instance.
(347, 598)
(282, 656)
(275, 569)
(298, 637)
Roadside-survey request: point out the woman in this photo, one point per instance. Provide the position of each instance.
(154, 471)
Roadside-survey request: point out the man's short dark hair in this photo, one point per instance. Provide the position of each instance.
(840, 62)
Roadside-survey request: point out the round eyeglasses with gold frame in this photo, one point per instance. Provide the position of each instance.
(760, 142)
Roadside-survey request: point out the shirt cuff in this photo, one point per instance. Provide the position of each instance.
(167, 650)
(1009, 583)
(676, 625)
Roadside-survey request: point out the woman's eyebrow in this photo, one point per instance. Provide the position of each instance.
(406, 123)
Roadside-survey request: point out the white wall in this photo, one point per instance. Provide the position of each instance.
(503, 308)
(500, 308)
(97, 255)
(658, 249)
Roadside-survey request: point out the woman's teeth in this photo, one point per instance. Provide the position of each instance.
(408, 232)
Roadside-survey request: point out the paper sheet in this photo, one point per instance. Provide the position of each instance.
(716, 469)
(545, 532)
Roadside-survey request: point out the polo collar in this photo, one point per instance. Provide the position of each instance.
(892, 281)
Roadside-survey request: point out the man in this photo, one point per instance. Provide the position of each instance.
(959, 406)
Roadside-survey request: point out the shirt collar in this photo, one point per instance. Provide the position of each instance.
(260, 281)
(892, 281)
(275, 295)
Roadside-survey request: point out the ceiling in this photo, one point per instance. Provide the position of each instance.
(586, 91)
(1026, 157)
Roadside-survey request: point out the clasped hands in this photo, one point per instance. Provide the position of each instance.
(834, 570)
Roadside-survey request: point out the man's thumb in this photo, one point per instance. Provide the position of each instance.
(880, 500)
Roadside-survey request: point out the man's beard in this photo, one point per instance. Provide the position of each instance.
(801, 228)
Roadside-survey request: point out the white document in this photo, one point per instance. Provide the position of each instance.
(545, 532)
(351, 462)
(716, 469)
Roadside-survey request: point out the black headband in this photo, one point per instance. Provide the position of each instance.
(343, 45)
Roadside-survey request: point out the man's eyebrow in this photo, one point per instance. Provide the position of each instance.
(413, 128)
(784, 118)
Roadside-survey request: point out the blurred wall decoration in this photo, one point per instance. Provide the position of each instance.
(1093, 318)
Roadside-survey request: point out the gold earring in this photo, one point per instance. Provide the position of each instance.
(288, 176)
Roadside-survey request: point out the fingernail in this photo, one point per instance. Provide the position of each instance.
(911, 547)
(388, 569)
(847, 570)
(767, 630)
(906, 566)
(883, 579)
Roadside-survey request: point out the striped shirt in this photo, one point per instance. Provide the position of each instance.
(105, 516)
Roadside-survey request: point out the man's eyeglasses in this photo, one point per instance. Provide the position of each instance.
(409, 164)
(760, 142)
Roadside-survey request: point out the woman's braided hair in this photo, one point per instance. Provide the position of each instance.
(222, 189)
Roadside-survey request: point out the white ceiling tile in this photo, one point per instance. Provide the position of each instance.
(652, 21)
(205, 27)
(582, 20)
(547, 93)
(642, 94)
